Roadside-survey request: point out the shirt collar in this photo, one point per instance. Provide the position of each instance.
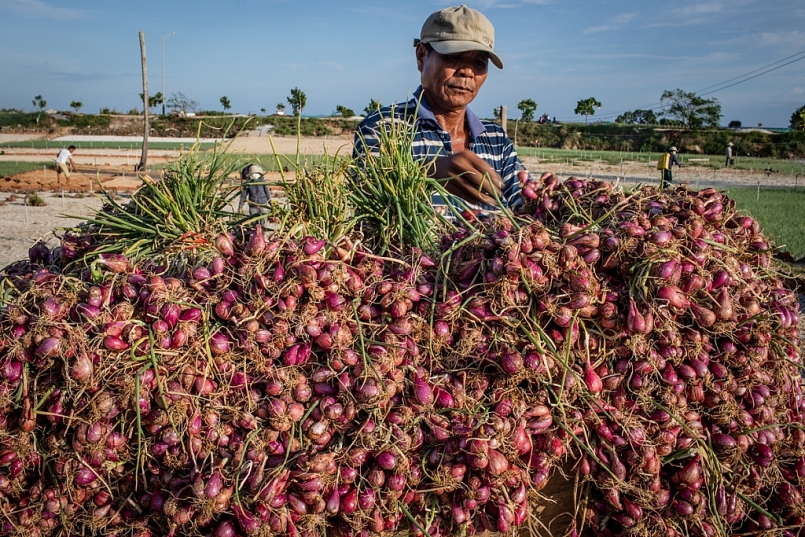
(476, 127)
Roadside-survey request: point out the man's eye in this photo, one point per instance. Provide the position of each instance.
(454, 58)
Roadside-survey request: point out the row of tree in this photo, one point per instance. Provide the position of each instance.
(680, 108)
(684, 108)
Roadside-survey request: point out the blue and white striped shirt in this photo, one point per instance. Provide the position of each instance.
(487, 140)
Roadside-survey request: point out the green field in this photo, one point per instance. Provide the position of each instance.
(52, 144)
(568, 156)
(11, 168)
(781, 213)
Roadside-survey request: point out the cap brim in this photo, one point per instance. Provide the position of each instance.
(454, 47)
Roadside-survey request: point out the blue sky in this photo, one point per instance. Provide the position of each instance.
(624, 53)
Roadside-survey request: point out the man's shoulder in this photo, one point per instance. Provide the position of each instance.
(494, 134)
(491, 127)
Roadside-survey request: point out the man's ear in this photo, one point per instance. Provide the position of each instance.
(421, 53)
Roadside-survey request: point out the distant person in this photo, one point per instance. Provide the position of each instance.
(666, 164)
(255, 192)
(64, 158)
(729, 162)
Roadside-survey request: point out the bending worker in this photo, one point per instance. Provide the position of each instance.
(255, 191)
(475, 156)
(64, 158)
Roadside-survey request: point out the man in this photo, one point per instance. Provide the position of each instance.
(666, 164)
(729, 155)
(255, 191)
(475, 157)
(64, 157)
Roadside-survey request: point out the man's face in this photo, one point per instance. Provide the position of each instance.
(451, 81)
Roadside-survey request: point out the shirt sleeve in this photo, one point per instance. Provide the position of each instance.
(366, 136)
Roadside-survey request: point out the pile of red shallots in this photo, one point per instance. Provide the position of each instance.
(293, 387)
(692, 422)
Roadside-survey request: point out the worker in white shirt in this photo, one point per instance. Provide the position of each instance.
(64, 158)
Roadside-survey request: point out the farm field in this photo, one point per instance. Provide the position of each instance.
(781, 212)
(778, 208)
(120, 145)
(777, 166)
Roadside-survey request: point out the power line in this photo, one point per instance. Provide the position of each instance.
(657, 106)
(751, 77)
(752, 72)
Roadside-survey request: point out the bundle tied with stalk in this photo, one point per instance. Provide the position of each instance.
(316, 198)
(173, 219)
(391, 193)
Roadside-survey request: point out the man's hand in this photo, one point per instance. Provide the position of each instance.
(473, 179)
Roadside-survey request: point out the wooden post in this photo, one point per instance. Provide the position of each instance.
(146, 126)
(503, 121)
(515, 133)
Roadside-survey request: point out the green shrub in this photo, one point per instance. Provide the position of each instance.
(35, 200)
(86, 121)
(11, 118)
(616, 137)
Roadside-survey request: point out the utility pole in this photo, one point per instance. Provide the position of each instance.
(144, 157)
(164, 38)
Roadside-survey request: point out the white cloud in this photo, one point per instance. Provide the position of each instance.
(297, 66)
(699, 9)
(623, 19)
(781, 38)
(38, 9)
(597, 29)
(625, 56)
(500, 4)
(335, 66)
(692, 14)
(616, 21)
(794, 38)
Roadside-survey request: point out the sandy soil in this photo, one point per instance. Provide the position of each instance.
(23, 225)
(115, 168)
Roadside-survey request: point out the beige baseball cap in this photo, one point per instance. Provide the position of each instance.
(253, 171)
(460, 29)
